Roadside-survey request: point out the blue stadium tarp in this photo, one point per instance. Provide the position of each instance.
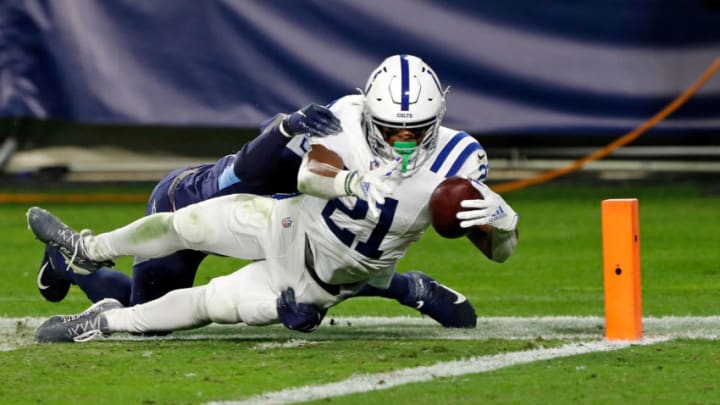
(520, 66)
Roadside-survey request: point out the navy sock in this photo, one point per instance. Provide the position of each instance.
(105, 283)
(156, 277)
(399, 289)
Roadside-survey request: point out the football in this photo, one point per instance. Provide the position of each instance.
(445, 203)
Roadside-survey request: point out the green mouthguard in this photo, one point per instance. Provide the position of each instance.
(405, 149)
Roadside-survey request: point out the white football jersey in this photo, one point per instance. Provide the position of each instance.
(348, 245)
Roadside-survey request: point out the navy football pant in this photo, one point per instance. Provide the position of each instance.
(151, 278)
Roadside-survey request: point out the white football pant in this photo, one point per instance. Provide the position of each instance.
(242, 226)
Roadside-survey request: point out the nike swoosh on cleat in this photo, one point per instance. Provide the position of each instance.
(460, 298)
(419, 304)
(39, 281)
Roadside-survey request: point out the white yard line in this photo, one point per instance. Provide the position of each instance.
(474, 365)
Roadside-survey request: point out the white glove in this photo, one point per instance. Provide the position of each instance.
(372, 186)
(492, 210)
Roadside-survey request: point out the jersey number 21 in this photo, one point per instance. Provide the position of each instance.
(370, 247)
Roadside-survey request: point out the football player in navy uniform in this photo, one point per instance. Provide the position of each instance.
(267, 165)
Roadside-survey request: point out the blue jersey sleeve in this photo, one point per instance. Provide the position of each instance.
(266, 165)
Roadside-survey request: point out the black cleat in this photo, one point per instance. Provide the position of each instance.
(51, 286)
(49, 229)
(443, 304)
(82, 327)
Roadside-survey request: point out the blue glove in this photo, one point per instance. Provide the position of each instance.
(314, 120)
(298, 316)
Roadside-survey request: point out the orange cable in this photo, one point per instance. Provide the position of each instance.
(623, 140)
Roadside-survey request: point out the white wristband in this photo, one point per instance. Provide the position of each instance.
(503, 244)
(343, 182)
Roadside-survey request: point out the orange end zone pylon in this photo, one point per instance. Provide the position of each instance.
(621, 269)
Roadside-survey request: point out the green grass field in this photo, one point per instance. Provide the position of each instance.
(556, 271)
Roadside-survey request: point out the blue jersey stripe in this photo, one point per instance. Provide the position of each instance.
(462, 158)
(227, 177)
(405, 82)
(445, 152)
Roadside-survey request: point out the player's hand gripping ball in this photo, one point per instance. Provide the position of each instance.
(445, 204)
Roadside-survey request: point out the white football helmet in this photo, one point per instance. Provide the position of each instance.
(403, 92)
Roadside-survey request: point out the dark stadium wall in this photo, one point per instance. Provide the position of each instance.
(205, 69)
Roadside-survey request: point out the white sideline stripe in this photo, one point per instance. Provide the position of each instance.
(553, 327)
(473, 365)
(18, 332)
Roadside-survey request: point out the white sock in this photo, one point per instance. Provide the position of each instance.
(149, 237)
(178, 309)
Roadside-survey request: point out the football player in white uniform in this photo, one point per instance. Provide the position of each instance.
(366, 200)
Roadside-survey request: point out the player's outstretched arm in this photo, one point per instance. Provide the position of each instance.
(493, 223)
